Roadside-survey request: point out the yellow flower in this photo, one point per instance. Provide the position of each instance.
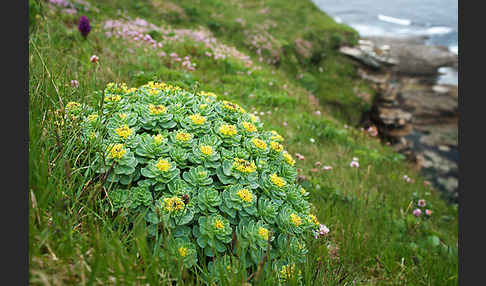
(163, 165)
(276, 146)
(253, 118)
(183, 136)
(288, 158)
(117, 151)
(296, 220)
(244, 195)
(197, 119)
(287, 271)
(277, 181)
(228, 129)
(92, 117)
(260, 144)
(313, 219)
(276, 136)
(203, 106)
(206, 150)
(72, 106)
(232, 106)
(244, 166)
(249, 127)
(263, 233)
(123, 115)
(303, 191)
(158, 138)
(112, 98)
(218, 224)
(182, 251)
(124, 131)
(208, 94)
(92, 135)
(157, 109)
(173, 204)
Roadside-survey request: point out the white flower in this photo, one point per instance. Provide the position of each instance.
(312, 140)
(327, 168)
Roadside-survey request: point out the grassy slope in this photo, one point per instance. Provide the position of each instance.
(367, 209)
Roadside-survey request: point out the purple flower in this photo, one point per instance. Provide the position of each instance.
(83, 26)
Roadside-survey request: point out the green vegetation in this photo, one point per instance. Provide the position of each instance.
(74, 238)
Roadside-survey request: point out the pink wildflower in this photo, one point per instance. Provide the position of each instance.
(417, 212)
(94, 59)
(323, 230)
(317, 112)
(428, 212)
(354, 164)
(317, 164)
(74, 83)
(285, 123)
(299, 156)
(327, 168)
(421, 203)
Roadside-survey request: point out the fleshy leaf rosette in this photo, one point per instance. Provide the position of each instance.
(201, 170)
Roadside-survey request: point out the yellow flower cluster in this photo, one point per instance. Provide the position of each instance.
(296, 220)
(197, 119)
(287, 271)
(157, 109)
(253, 118)
(249, 127)
(276, 146)
(263, 233)
(228, 129)
(173, 204)
(276, 136)
(117, 151)
(218, 224)
(183, 136)
(163, 165)
(72, 106)
(92, 117)
(208, 94)
(124, 131)
(114, 87)
(182, 251)
(313, 219)
(260, 144)
(245, 195)
(288, 158)
(112, 97)
(303, 191)
(232, 106)
(158, 138)
(277, 181)
(206, 150)
(244, 166)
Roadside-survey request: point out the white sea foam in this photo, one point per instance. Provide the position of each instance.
(454, 49)
(405, 22)
(438, 30)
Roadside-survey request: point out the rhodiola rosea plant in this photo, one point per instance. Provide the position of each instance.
(202, 172)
